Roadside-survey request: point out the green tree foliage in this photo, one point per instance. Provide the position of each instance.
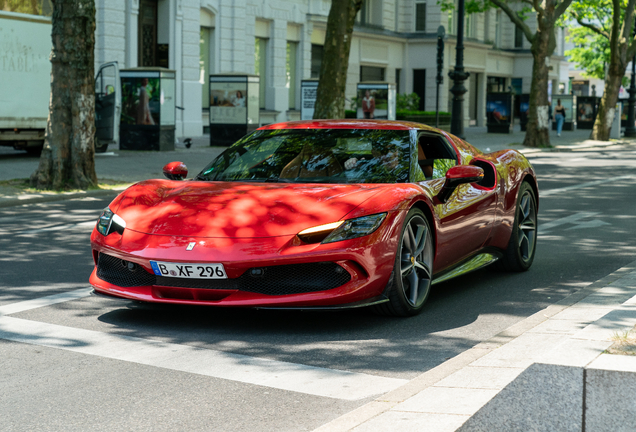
(542, 45)
(604, 44)
(591, 51)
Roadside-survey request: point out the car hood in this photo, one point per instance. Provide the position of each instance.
(236, 209)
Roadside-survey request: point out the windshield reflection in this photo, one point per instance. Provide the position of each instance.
(315, 155)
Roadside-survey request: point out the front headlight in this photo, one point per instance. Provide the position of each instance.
(357, 227)
(342, 230)
(109, 222)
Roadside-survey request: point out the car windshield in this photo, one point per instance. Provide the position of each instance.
(315, 155)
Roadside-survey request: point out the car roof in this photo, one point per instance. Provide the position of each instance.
(350, 124)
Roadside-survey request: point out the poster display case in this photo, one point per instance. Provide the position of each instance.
(625, 107)
(376, 100)
(569, 103)
(308, 92)
(234, 107)
(586, 109)
(524, 107)
(148, 109)
(499, 112)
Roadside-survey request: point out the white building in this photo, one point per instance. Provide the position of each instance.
(281, 40)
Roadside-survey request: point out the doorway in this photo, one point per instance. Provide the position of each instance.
(147, 33)
(419, 86)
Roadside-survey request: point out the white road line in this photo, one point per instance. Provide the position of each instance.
(571, 219)
(583, 185)
(218, 364)
(44, 301)
(264, 372)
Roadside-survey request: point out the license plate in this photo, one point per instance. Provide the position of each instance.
(189, 271)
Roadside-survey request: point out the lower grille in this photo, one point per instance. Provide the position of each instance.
(273, 280)
(122, 273)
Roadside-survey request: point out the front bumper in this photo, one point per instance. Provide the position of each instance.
(297, 275)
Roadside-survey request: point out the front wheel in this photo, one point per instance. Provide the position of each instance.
(523, 239)
(410, 282)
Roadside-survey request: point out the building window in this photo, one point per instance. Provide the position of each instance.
(419, 86)
(452, 20)
(518, 37)
(498, 29)
(260, 67)
(496, 85)
(316, 60)
(290, 73)
(204, 64)
(398, 88)
(420, 16)
(370, 73)
(370, 13)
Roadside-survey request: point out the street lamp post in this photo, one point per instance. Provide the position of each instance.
(439, 79)
(458, 76)
(630, 130)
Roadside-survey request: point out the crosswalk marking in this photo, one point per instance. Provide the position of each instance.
(300, 378)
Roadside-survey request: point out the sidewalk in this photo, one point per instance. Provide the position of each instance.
(545, 373)
(126, 167)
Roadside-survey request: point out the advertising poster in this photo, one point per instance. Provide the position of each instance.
(308, 91)
(498, 109)
(585, 113)
(140, 101)
(167, 102)
(524, 106)
(566, 102)
(228, 102)
(373, 102)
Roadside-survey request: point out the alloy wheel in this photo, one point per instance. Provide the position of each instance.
(527, 226)
(416, 260)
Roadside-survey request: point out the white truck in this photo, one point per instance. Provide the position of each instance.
(25, 86)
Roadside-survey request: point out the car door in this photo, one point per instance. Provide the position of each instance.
(466, 218)
(107, 105)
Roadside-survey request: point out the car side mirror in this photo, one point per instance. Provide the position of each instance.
(175, 171)
(456, 176)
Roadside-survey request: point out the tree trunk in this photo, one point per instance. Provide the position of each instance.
(538, 128)
(620, 36)
(67, 159)
(606, 109)
(330, 97)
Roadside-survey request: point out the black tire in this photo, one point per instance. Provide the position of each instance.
(100, 147)
(413, 268)
(522, 246)
(34, 151)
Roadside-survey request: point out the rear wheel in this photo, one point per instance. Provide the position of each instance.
(100, 147)
(410, 282)
(523, 239)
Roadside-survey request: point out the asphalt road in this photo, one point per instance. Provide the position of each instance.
(94, 364)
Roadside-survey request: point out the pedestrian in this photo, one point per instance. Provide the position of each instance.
(368, 105)
(559, 115)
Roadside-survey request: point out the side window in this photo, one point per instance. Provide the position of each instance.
(435, 155)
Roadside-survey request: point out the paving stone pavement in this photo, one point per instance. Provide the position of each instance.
(546, 373)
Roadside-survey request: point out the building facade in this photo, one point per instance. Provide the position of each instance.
(282, 42)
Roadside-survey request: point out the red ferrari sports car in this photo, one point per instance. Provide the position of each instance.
(320, 215)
